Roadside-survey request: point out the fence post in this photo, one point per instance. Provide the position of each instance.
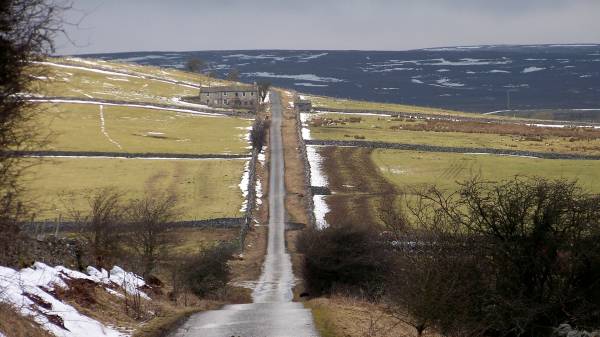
(57, 224)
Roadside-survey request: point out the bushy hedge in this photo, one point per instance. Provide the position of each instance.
(350, 259)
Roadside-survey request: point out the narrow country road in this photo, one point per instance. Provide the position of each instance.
(273, 314)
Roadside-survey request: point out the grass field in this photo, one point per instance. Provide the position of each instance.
(205, 188)
(387, 129)
(167, 73)
(71, 80)
(404, 168)
(360, 179)
(77, 127)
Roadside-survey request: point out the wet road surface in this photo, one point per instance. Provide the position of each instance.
(273, 314)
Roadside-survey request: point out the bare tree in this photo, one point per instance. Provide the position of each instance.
(263, 89)
(27, 30)
(195, 65)
(258, 135)
(149, 219)
(213, 74)
(103, 226)
(233, 75)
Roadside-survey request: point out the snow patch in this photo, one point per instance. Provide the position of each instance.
(321, 210)
(447, 83)
(132, 105)
(304, 119)
(317, 177)
(532, 70)
(244, 185)
(19, 287)
(307, 84)
(302, 77)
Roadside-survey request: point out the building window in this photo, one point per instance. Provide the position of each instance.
(225, 101)
(225, 94)
(252, 94)
(216, 101)
(236, 94)
(207, 94)
(244, 94)
(207, 101)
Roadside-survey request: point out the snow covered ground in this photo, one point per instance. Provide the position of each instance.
(244, 186)
(31, 292)
(133, 105)
(317, 178)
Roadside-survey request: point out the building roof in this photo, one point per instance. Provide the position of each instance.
(229, 88)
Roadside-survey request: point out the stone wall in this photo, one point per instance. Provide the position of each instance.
(435, 148)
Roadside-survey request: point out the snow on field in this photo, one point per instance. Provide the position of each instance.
(532, 69)
(129, 282)
(321, 210)
(417, 81)
(307, 84)
(267, 97)
(302, 77)
(132, 105)
(244, 185)
(258, 191)
(131, 158)
(312, 56)
(178, 101)
(304, 119)
(93, 70)
(320, 112)
(103, 129)
(466, 62)
(497, 154)
(317, 177)
(447, 83)
(30, 290)
(262, 157)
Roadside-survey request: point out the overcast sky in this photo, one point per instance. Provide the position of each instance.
(183, 25)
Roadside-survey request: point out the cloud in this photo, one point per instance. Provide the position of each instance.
(327, 24)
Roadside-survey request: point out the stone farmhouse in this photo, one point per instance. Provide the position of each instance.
(234, 96)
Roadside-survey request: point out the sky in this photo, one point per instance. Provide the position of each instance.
(99, 26)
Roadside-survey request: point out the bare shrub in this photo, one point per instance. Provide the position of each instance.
(149, 220)
(103, 226)
(344, 258)
(207, 273)
(263, 89)
(195, 65)
(258, 135)
(513, 258)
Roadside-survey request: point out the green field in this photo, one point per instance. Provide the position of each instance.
(77, 127)
(409, 168)
(205, 188)
(387, 129)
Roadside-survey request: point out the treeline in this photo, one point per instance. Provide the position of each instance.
(512, 258)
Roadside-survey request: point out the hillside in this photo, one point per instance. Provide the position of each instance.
(526, 79)
(126, 129)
